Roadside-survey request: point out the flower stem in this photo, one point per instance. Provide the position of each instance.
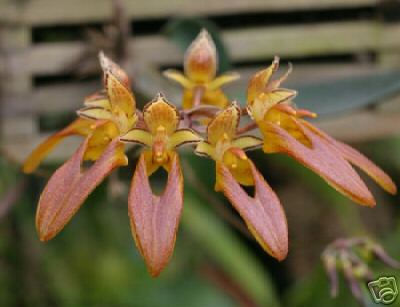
(247, 128)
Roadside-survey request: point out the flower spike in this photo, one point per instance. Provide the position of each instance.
(109, 119)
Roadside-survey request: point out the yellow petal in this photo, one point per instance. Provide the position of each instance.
(159, 114)
(78, 127)
(152, 165)
(205, 149)
(100, 139)
(260, 80)
(182, 137)
(274, 84)
(239, 166)
(222, 80)
(224, 125)
(95, 113)
(118, 89)
(99, 99)
(178, 77)
(266, 101)
(139, 136)
(247, 142)
(201, 59)
(286, 122)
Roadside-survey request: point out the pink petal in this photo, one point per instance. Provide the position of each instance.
(155, 219)
(324, 159)
(263, 213)
(355, 157)
(69, 187)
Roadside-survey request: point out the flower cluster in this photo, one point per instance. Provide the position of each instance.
(109, 120)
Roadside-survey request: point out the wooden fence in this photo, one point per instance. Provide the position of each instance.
(23, 60)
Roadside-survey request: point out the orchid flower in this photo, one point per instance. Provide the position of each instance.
(285, 130)
(262, 213)
(109, 120)
(201, 86)
(106, 115)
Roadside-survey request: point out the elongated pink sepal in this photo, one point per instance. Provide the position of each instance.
(263, 213)
(69, 187)
(155, 219)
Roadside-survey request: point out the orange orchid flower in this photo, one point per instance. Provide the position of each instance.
(156, 240)
(110, 119)
(201, 86)
(106, 115)
(262, 213)
(285, 130)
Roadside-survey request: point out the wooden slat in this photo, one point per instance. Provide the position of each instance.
(362, 126)
(244, 44)
(17, 126)
(15, 82)
(20, 147)
(69, 96)
(47, 12)
(50, 99)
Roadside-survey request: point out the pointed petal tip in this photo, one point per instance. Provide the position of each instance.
(155, 219)
(358, 159)
(68, 188)
(263, 213)
(44, 234)
(155, 269)
(45, 238)
(390, 187)
(282, 255)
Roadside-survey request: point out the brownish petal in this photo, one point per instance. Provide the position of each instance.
(263, 213)
(155, 219)
(116, 82)
(323, 158)
(355, 157)
(201, 59)
(68, 188)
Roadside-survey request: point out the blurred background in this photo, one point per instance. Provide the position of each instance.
(346, 57)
